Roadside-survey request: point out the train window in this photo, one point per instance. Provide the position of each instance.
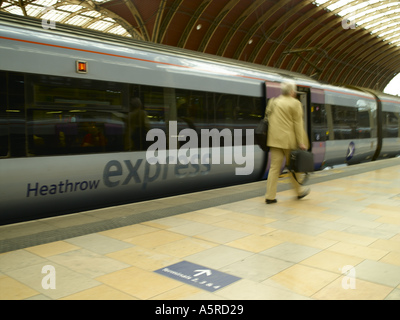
(248, 113)
(153, 101)
(45, 115)
(54, 131)
(199, 110)
(191, 107)
(137, 122)
(249, 110)
(76, 93)
(192, 111)
(159, 106)
(351, 123)
(3, 115)
(319, 122)
(225, 109)
(225, 112)
(15, 110)
(344, 122)
(73, 116)
(187, 107)
(363, 129)
(391, 125)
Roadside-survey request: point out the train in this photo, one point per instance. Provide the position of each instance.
(89, 120)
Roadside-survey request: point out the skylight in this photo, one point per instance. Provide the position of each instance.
(64, 12)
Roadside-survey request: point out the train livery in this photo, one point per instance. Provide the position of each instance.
(76, 108)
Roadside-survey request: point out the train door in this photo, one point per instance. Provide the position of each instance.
(313, 101)
(303, 94)
(318, 126)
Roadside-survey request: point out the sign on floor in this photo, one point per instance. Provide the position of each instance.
(198, 276)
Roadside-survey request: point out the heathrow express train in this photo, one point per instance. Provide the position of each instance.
(90, 120)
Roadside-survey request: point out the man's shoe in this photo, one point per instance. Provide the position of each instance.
(305, 193)
(271, 201)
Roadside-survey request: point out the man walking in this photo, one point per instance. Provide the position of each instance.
(285, 133)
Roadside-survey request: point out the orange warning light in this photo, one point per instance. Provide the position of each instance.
(81, 66)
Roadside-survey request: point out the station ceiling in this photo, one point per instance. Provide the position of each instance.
(336, 41)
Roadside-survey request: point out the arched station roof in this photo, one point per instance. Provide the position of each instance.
(336, 41)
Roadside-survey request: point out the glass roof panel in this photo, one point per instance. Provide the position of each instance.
(33, 10)
(93, 14)
(55, 15)
(100, 25)
(45, 3)
(118, 30)
(78, 21)
(15, 10)
(70, 8)
(63, 12)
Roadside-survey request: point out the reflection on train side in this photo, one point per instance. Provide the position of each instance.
(75, 116)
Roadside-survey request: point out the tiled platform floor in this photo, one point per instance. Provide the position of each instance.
(289, 250)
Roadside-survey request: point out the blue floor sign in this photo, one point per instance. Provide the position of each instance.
(198, 276)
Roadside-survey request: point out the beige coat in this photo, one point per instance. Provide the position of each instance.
(286, 126)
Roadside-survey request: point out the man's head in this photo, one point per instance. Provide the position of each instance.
(288, 88)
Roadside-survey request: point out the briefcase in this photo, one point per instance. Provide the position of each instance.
(301, 161)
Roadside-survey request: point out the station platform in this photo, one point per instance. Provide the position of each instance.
(340, 242)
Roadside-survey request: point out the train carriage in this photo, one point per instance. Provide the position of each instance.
(69, 140)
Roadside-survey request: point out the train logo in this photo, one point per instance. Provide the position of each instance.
(350, 151)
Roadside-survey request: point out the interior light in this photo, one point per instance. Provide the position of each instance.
(53, 112)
